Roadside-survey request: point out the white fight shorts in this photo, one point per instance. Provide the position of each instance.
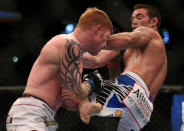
(30, 114)
(127, 97)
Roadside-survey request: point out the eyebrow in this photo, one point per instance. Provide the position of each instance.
(137, 15)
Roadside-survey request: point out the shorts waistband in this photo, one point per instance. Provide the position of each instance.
(136, 78)
(47, 105)
(139, 80)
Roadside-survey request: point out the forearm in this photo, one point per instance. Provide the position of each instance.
(86, 88)
(100, 60)
(138, 38)
(119, 41)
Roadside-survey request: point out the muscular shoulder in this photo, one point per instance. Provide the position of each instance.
(154, 38)
(70, 48)
(67, 42)
(50, 52)
(144, 30)
(153, 34)
(62, 46)
(146, 35)
(149, 32)
(57, 41)
(73, 50)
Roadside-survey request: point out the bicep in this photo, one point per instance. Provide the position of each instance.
(119, 41)
(140, 37)
(70, 65)
(88, 60)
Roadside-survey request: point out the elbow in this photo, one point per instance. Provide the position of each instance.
(123, 41)
(97, 65)
(94, 65)
(129, 39)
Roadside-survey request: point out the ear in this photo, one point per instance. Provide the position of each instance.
(98, 28)
(154, 21)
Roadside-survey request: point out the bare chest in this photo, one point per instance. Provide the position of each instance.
(132, 57)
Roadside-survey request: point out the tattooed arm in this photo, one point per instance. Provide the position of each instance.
(71, 74)
(71, 67)
(74, 93)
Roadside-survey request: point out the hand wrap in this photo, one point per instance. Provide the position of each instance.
(95, 79)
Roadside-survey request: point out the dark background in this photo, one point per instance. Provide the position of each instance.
(23, 36)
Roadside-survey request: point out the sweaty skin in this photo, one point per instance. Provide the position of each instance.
(149, 60)
(145, 52)
(56, 74)
(145, 55)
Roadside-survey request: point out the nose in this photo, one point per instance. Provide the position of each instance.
(134, 22)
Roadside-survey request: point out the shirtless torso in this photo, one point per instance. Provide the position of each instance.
(144, 55)
(145, 70)
(150, 62)
(56, 74)
(55, 79)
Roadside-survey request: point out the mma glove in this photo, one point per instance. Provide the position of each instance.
(95, 79)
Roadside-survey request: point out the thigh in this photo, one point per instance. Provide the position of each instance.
(26, 117)
(127, 123)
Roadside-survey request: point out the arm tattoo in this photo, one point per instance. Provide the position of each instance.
(71, 75)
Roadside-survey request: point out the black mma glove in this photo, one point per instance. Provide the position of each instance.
(95, 79)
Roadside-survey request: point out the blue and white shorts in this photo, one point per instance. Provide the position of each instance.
(127, 97)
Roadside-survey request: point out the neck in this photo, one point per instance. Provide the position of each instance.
(83, 37)
(155, 29)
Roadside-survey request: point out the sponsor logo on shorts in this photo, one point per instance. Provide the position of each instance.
(39, 120)
(139, 105)
(45, 121)
(143, 102)
(9, 119)
(118, 113)
(137, 109)
(50, 123)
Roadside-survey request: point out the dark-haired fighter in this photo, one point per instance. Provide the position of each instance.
(130, 95)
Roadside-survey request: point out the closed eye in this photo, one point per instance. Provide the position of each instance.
(139, 16)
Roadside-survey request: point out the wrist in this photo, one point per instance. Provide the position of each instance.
(91, 82)
(86, 87)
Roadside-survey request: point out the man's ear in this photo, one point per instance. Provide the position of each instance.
(154, 21)
(98, 28)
